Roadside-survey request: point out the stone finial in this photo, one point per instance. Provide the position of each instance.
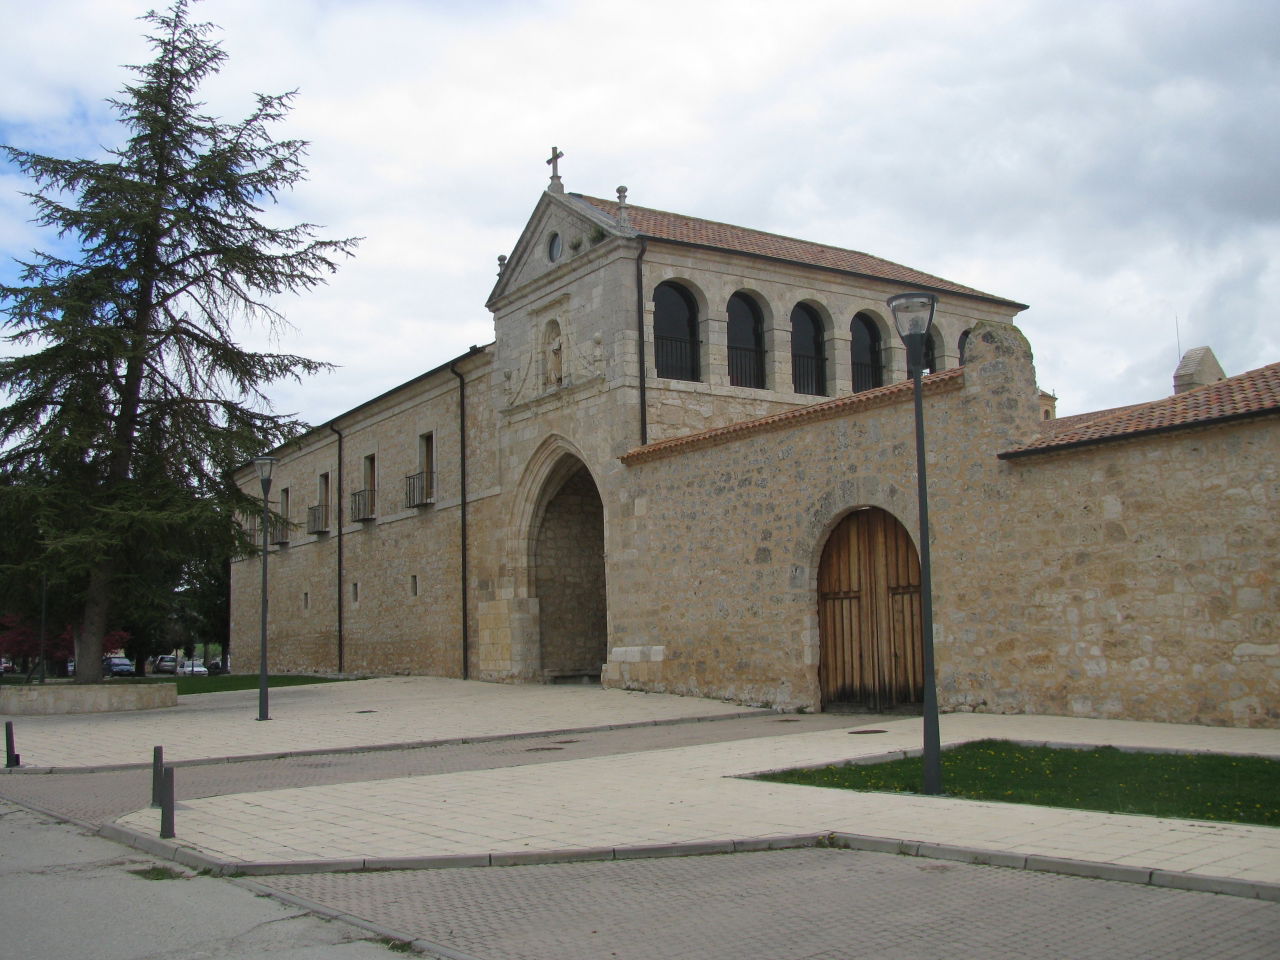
(623, 216)
(554, 163)
(1198, 368)
(502, 263)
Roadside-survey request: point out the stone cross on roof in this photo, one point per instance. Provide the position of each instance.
(554, 164)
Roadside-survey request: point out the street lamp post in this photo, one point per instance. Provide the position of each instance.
(264, 465)
(913, 316)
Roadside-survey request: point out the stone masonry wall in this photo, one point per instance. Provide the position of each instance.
(1135, 579)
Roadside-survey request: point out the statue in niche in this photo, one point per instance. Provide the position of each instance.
(553, 356)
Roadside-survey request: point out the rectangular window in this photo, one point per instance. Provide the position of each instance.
(413, 585)
(306, 600)
(355, 592)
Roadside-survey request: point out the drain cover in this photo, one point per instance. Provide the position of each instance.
(366, 711)
(564, 741)
(536, 749)
(788, 720)
(868, 731)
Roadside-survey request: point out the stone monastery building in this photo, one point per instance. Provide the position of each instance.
(686, 464)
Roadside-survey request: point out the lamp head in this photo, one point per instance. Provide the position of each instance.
(912, 313)
(264, 465)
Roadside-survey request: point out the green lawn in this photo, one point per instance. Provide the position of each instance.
(244, 681)
(191, 685)
(1190, 786)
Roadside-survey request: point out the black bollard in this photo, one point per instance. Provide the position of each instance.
(157, 774)
(11, 759)
(166, 805)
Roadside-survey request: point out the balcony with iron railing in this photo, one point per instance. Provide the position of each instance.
(278, 532)
(807, 375)
(746, 367)
(364, 504)
(867, 376)
(318, 518)
(676, 358)
(420, 489)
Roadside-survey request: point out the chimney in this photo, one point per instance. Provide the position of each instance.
(1198, 368)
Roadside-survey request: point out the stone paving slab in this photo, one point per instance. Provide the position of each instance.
(347, 716)
(694, 795)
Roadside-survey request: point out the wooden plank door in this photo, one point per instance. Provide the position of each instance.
(869, 614)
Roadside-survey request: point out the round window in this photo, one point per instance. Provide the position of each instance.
(555, 246)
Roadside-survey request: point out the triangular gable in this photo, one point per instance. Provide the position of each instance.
(580, 226)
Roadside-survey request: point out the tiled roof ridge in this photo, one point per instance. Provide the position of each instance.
(905, 273)
(1249, 394)
(944, 381)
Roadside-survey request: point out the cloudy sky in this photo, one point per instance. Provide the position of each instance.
(1113, 164)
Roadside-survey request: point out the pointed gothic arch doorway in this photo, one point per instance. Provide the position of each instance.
(869, 615)
(568, 578)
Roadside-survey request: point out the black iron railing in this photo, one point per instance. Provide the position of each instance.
(676, 358)
(746, 367)
(318, 518)
(363, 504)
(807, 375)
(867, 376)
(419, 490)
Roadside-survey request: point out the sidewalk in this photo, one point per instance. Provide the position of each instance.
(691, 800)
(672, 801)
(332, 717)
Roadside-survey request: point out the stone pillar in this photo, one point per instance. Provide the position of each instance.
(715, 349)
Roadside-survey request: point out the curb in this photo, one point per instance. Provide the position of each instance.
(384, 747)
(1063, 866)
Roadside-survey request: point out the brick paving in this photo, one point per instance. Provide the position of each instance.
(792, 905)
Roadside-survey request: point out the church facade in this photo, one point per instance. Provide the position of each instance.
(686, 464)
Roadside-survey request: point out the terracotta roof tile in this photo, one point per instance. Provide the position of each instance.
(943, 382)
(1256, 393)
(661, 225)
(1060, 425)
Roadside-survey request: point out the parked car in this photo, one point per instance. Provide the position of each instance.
(6, 665)
(216, 667)
(117, 667)
(165, 664)
(192, 668)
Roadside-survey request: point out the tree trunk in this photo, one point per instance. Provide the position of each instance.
(88, 638)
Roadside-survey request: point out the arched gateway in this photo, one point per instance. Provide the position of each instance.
(869, 614)
(568, 577)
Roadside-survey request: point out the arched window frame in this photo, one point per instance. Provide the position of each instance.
(675, 332)
(931, 352)
(866, 353)
(962, 344)
(745, 341)
(808, 354)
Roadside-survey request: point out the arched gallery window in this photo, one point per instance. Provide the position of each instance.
(964, 342)
(746, 342)
(868, 364)
(675, 332)
(931, 352)
(808, 359)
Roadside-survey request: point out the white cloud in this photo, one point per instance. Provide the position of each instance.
(1110, 163)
